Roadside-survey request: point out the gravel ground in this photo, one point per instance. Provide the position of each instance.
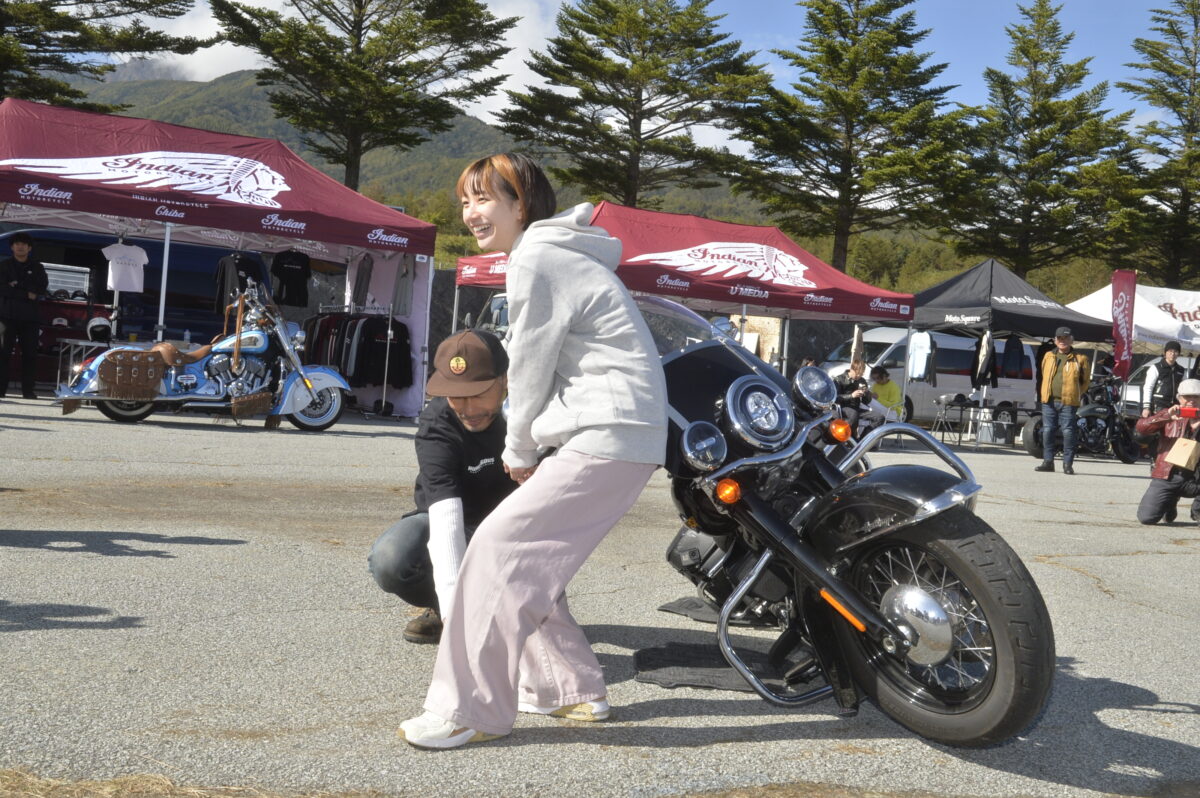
(190, 598)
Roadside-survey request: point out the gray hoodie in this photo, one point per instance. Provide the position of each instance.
(583, 370)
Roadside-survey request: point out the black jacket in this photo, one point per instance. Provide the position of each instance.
(847, 386)
(1166, 386)
(29, 277)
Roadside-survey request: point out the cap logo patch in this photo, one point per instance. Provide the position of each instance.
(458, 365)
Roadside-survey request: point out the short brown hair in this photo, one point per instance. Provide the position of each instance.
(516, 175)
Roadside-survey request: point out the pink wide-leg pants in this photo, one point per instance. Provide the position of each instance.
(508, 635)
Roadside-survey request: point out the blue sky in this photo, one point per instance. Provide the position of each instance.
(967, 35)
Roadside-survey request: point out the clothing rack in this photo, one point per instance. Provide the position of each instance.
(371, 310)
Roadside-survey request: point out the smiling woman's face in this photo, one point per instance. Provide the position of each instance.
(494, 218)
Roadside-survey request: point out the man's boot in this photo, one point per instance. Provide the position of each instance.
(425, 628)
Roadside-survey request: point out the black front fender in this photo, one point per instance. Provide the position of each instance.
(880, 501)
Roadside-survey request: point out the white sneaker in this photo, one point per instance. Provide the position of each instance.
(588, 711)
(433, 731)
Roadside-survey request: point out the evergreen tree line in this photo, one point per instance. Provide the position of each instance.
(862, 157)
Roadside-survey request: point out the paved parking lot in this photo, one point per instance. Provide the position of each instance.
(190, 598)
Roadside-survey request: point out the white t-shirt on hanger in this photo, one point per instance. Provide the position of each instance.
(125, 264)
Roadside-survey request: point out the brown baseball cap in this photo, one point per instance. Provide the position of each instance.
(467, 364)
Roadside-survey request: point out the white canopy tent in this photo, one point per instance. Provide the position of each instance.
(1151, 324)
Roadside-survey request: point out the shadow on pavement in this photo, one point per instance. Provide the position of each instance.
(1085, 737)
(30, 617)
(108, 544)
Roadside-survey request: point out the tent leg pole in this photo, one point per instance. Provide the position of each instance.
(160, 328)
(454, 313)
(783, 346)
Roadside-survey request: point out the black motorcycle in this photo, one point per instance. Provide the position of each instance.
(879, 581)
(1100, 425)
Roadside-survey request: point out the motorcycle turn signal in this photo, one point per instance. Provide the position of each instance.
(839, 430)
(728, 491)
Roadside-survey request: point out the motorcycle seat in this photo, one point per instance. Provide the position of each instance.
(173, 357)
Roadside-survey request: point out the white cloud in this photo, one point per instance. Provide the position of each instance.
(535, 26)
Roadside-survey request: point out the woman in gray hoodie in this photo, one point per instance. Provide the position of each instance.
(585, 381)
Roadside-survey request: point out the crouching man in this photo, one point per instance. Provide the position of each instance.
(1170, 482)
(460, 479)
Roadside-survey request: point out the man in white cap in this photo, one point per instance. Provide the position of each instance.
(1168, 481)
(459, 440)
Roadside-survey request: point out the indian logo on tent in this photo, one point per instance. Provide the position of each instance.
(733, 259)
(228, 177)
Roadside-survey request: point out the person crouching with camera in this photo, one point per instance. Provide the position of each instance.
(1171, 477)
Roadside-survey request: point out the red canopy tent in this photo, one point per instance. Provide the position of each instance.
(103, 173)
(125, 176)
(722, 267)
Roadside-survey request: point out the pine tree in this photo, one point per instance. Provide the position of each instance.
(628, 83)
(355, 75)
(43, 42)
(1047, 174)
(1171, 82)
(861, 141)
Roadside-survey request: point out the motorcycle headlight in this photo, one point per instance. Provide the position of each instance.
(759, 413)
(815, 386)
(704, 447)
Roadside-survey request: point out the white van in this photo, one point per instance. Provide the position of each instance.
(954, 361)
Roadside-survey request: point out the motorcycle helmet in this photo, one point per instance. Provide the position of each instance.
(99, 329)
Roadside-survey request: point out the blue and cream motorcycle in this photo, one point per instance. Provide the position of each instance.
(254, 371)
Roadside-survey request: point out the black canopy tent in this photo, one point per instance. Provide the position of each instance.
(989, 297)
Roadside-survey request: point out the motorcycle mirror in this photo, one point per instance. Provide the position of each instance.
(724, 327)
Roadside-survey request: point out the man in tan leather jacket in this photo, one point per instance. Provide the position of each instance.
(1065, 378)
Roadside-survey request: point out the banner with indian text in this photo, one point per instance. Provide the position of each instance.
(1124, 288)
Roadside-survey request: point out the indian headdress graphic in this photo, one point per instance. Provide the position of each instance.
(226, 177)
(733, 259)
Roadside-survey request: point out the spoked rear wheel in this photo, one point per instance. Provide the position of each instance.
(982, 667)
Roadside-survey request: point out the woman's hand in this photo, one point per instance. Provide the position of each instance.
(518, 473)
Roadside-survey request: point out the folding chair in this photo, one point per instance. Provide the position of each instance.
(942, 422)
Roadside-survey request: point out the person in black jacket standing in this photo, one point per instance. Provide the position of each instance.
(1166, 384)
(23, 282)
(1164, 388)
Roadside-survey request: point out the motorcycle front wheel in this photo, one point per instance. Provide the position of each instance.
(1123, 445)
(322, 413)
(1031, 437)
(125, 412)
(983, 668)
